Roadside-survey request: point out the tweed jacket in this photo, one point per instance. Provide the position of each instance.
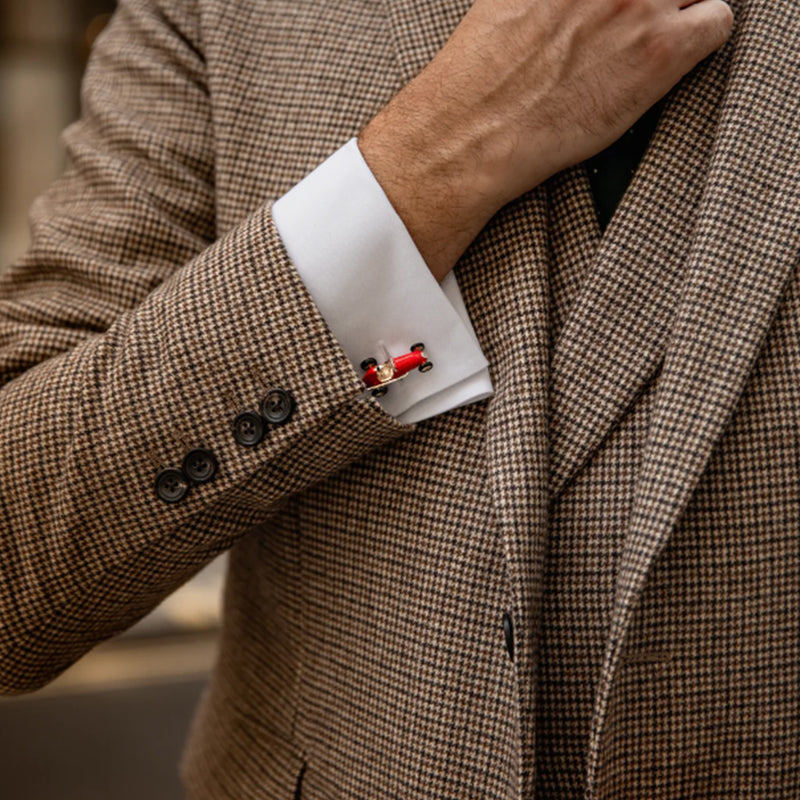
(372, 563)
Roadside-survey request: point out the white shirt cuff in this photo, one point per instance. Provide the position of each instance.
(374, 289)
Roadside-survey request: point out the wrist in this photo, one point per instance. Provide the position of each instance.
(436, 175)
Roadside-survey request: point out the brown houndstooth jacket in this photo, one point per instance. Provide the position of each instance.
(363, 652)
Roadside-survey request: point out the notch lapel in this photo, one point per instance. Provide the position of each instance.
(746, 244)
(614, 337)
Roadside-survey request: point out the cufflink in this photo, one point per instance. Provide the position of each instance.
(377, 377)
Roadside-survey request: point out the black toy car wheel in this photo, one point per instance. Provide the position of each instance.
(427, 366)
(367, 363)
(380, 391)
(416, 348)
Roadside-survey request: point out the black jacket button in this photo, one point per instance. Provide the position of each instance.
(171, 485)
(508, 630)
(277, 406)
(200, 465)
(249, 428)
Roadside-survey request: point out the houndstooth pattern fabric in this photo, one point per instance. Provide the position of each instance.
(363, 651)
(588, 522)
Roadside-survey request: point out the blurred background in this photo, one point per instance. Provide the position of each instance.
(113, 725)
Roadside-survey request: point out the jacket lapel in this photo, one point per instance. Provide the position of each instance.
(746, 243)
(614, 337)
(574, 238)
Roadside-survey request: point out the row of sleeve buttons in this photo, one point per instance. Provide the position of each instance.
(250, 427)
(199, 466)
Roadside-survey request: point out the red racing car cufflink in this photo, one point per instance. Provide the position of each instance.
(377, 377)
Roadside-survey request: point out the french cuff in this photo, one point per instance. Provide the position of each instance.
(375, 291)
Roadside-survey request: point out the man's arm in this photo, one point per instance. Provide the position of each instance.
(523, 89)
(128, 339)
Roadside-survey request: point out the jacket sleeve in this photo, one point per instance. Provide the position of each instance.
(129, 336)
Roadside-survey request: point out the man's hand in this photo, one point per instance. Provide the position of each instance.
(523, 89)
